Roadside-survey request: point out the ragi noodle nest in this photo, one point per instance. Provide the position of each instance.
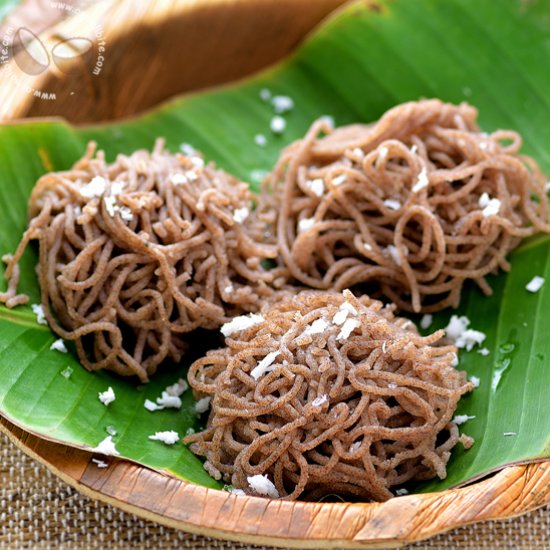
(135, 254)
(327, 393)
(407, 208)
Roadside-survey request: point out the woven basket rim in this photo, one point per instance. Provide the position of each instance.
(175, 503)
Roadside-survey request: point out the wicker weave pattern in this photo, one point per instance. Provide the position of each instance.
(39, 511)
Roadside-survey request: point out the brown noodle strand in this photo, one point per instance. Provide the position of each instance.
(128, 290)
(420, 247)
(389, 397)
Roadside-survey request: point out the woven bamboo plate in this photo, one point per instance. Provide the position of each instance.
(130, 26)
(399, 521)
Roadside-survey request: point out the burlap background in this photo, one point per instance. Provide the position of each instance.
(39, 511)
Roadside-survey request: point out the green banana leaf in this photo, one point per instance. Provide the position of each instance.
(6, 6)
(364, 60)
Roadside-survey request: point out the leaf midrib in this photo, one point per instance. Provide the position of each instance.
(24, 318)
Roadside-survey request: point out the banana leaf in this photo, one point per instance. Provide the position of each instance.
(364, 60)
(6, 6)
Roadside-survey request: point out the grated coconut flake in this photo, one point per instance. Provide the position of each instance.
(475, 381)
(178, 179)
(339, 180)
(38, 310)
(534, 285)
(240, 323)
(277, 124)
(282, 103)
(178, 388)
(422, 181)
(458, 330)
(202, 405)
(347, 328)
(107, 396)
(263, 365)
(167, 401)
(241, 214)
(151, 406)
(262, 485)
(392, 204)
(317, 186)
(95, 188)
(305, 224)
(462, 418)
(168, 437)
(59, 345)
(106, 447)
(317, 327)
